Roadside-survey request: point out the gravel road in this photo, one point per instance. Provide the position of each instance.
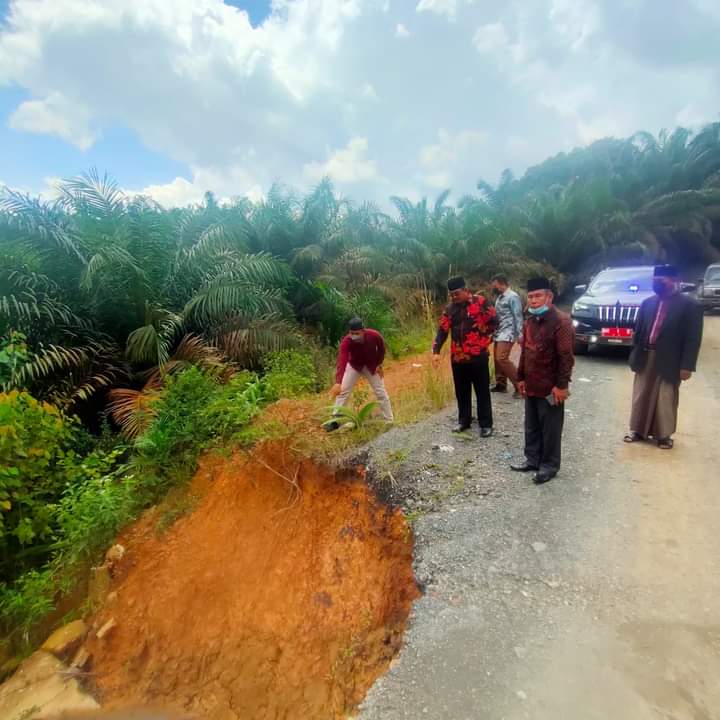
(594, 596)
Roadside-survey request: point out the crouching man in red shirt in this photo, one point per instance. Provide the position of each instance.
(362, 352)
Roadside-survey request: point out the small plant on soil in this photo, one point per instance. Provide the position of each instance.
(356, 418)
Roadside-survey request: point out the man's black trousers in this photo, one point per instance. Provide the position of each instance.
(475, 375)
(543, 433)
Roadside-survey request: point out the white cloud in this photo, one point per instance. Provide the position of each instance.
(55, 115)
(369, 92)
(322, 83)
(694, 116)
(177, 193)
(439, 7)
(349, 165)
(441, 161)
(575, 20)
(491, 38)
(225, 184)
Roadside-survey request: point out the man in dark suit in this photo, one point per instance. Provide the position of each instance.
(666, 346)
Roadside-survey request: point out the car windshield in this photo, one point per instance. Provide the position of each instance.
(712, 274)
(622, 281)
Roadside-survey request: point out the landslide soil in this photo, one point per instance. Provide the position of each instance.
(283, 595)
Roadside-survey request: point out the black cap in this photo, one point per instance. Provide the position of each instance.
(456, 283)
(356, 324)
(538, 283)
(666, 271)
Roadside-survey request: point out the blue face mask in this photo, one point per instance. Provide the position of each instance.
(539, 311)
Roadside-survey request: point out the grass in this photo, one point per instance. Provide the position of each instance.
(172, 509)
(414, 402)
(397, 457)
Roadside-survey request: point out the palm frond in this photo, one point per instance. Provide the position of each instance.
(223, 298)
(110, 259)
(90, 193)
(192, 350)
(247, 340)
(133, 410)
(41, 224)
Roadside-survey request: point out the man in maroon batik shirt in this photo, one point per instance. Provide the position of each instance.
(470, 321)
(362, 352)
(544, 375)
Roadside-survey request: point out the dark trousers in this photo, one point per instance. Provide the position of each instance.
(543, 433)
(471, 375)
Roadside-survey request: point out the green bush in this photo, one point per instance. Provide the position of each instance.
(172, 441)
(13, 354)
(290, 373)
(194, 409)
(98, 500)
(233, 405)
(27, 601)
(410, 340)
(375, 310)
(36, 450)
(332, 309)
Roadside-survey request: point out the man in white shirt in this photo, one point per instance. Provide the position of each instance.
(509, 330)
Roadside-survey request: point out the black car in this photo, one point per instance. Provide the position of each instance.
(607, 310)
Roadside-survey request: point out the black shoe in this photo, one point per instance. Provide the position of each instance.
(331, 426)
(486, 432)
(524, 466)
(499, 388)
(543, 476)
(461, 428)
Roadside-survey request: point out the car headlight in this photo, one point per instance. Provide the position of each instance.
(580, 307)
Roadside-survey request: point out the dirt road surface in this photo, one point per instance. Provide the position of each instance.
(594, 596)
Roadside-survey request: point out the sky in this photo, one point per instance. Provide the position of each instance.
(386, 97)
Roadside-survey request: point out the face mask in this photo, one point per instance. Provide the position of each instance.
(661, 288)
(495, 291)
(539, 310)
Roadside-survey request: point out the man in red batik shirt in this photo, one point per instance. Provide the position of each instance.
(362, 352)
(470, 321)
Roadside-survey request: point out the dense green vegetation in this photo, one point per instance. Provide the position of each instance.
(108, 289)
(132, 336)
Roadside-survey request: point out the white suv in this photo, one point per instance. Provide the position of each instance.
(708, 292)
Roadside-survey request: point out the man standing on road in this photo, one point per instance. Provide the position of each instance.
(666, 345)
(544, 375)
(362, 352)
(510, 325)
(470, 321)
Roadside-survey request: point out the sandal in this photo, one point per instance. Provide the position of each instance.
(632, 437)
(665, 444)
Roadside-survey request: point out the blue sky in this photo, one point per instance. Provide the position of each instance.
(404, 97)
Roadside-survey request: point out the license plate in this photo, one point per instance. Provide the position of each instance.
(615, 332)
(615, 341)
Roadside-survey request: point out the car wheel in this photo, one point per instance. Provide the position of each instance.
(581, 348)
